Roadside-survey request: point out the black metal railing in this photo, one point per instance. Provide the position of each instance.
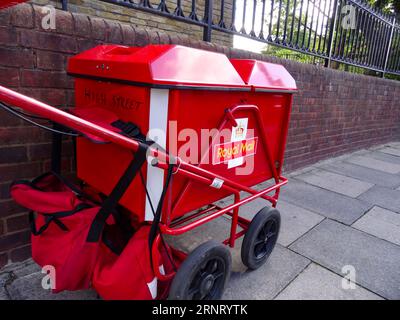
(337, 31)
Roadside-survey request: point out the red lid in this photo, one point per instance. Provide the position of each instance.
(264, 75)
(157, 65)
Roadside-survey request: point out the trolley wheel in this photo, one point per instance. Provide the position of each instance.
(260, 238)
(203, 275)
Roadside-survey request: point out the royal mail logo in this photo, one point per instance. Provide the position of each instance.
(232, 150)
(8, 3)
(239, 132)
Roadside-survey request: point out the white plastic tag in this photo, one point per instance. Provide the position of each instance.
(217, 183)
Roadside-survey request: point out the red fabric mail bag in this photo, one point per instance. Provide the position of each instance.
(59, 230)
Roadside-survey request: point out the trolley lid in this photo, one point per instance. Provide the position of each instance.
(158, 66)
(264, 76)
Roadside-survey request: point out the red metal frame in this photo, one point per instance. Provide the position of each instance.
(192, 172)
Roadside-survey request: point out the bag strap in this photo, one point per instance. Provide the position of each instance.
(54, 218)
(157, 216)
(116, 194)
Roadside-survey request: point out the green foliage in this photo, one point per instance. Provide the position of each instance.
(312, 39)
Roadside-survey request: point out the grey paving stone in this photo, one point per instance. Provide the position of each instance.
(368, 162)
(3, 294)
(335, 182)
(295, 221)
(21, 269)
(267, 281)
(394, 144)
(382, 223)
(390, 150)
(384, 157)
(326, 203)
(4, 278)
(383, 197)
(377, 177)
(334, 245)
(317, 283)
(29, 288)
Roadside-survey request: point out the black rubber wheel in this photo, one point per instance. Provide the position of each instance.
(203, 275)
(260, 238)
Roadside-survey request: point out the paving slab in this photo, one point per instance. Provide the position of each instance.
(384, 157)
(30, 288)
(3, 294)
(335, 182)
(317, 283)
(4, 278)
(334, 245)
(295, 221)
(390, 150)
(324, 202)
(368, 162)
(394, 144)
(267, 281)
(377, 177)
(383, 197)
(382, 223)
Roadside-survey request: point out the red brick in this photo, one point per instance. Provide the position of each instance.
(22, 16)
(45, 79)
(21, 254)
(17, 223)
(9, 77)
(4, 191)
(86, 44)
(50, 60)
(9, 208)
(3, 259)
(53, 97)
(98, 28)
(12, 154)
(8, 36)
(64, 22)
(16, 171)
(18, 135)
(114, 32)
(6, 118)
(128, 34)
(43, 151)
(5, 17)
(141, 37)
(164, 38)
(2, 229)
(48, 41)
(153, 37)
(11, 57)
(82, 26)
(15, 240)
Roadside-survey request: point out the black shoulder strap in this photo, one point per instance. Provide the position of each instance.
(119, 190)
(157, 217)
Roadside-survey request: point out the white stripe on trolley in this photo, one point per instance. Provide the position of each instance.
(158, 121)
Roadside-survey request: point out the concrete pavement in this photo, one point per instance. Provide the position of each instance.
(340, 218)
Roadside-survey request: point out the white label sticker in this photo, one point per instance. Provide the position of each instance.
(217, 183)
(239, 133)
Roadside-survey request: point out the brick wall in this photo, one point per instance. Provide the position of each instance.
(150, 21)
(333, 113)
